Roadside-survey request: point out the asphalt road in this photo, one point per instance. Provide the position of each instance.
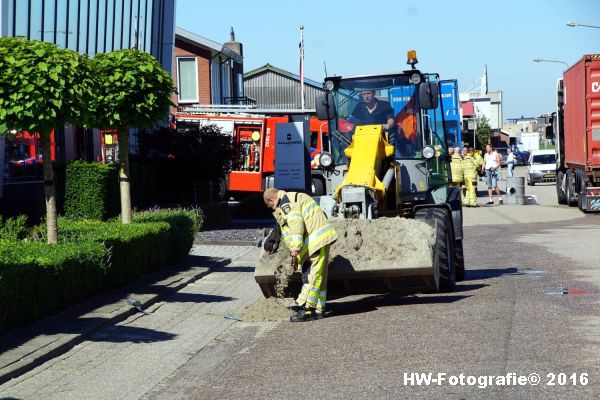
(506, 318)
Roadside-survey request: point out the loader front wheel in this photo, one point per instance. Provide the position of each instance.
(444, 272)
(459, 261)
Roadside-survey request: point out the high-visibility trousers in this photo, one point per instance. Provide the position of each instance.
(314, 278)
(469, 197)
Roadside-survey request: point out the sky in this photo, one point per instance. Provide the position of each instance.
(453, 38)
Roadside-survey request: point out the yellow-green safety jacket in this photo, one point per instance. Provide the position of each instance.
(456, 168)
(478, 161)
(304, 225)
(469, 168)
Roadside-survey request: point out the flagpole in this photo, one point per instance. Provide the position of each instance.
(302, 66)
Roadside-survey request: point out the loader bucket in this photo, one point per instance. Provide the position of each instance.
(369, 256)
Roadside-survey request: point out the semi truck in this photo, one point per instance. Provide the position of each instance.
(575, 129)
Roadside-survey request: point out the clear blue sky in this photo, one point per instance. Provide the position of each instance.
(454, 38)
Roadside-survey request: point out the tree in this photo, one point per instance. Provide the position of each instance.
(133, 91)
(43, 87)
(483, 131)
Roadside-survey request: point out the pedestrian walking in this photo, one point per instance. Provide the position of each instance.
(308, 235)
(510, 163)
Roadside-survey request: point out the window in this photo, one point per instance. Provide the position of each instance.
(240, 85)
(187, 79)
(225, 79)
(215, 79)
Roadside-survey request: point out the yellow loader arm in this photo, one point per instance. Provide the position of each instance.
(367, 151)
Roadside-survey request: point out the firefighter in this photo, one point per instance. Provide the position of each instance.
(456, 167)
(308, 234)
(470, 177)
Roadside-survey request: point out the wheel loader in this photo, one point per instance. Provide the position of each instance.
(389, 169)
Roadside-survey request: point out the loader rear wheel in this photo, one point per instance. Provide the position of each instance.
(444, 273)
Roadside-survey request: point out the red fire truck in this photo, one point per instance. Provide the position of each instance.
(253, 133)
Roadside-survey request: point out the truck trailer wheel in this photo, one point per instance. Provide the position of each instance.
(560, 194)
(444, 273)
(571, 201)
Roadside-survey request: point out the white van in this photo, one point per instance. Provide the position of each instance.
(541, 167)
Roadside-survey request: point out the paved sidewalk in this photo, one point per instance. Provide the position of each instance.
(24, 349)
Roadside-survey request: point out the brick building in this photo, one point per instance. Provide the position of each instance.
(207, 72)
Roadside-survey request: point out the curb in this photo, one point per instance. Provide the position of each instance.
(26, 361)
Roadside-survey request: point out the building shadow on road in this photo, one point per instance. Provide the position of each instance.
(488, 273)
(238, 268)
(461, 287)
(129, 334)
(374, 302)
(86, 328)
(180, 297)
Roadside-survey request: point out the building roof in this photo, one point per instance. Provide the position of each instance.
(211, 45)
(269, 68)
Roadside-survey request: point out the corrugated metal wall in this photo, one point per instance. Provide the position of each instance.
(273, 90)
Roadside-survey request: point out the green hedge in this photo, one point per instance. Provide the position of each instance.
(131, 249)
(91, 190)
(183, 226)
(37, 279)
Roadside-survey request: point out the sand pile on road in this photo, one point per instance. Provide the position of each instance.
(365, 245)
(267, 310)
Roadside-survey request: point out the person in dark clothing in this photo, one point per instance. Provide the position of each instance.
(372, 111)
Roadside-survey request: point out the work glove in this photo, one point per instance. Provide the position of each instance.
(271, 243)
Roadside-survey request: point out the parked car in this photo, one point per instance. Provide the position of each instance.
(503, 151)
(521, 157)
(541, 167)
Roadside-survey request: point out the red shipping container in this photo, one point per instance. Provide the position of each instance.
(582, 114)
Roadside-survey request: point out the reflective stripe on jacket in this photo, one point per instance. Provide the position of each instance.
(304, 225)
(469, 168)
(456, 168)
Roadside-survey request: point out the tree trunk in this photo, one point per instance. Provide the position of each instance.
(124, 175)
(49, 189)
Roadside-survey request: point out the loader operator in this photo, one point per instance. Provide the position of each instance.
(372, 111)
(308, 235)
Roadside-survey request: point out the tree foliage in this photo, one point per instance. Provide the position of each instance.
(483, 131)
(207, 148)
(133, 90)
(42, 86)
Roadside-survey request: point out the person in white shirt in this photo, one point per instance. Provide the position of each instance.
(491, 165)
(510, 162)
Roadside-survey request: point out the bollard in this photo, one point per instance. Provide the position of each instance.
(515, 190)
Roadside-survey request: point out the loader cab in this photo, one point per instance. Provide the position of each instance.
(408, 103)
